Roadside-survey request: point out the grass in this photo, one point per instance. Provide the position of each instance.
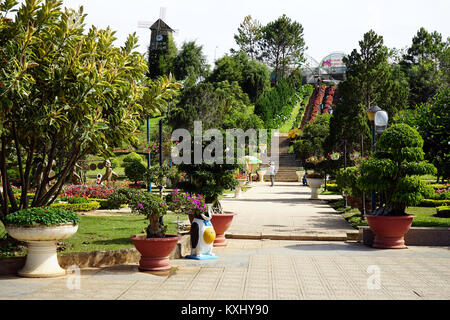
(97, 233)
(289, 123)
(425, 216)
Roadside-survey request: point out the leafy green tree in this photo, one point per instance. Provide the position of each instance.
(423, 66)
(252, 76)
(282, 45)
(190, 63)
(249, 36)
(213, 103)
(65, 93)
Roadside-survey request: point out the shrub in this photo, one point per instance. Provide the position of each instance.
(394, 169)
(41, 216)
(131, 157)
(346, 180)
(443, 211)
(433, 203)
(135, 170)
(87, 191)
(333, 187)
(88, 206)
(120, 197)
(74, 200)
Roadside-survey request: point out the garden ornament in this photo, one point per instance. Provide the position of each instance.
(202, 237)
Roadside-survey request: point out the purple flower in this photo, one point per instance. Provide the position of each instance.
(140, 205)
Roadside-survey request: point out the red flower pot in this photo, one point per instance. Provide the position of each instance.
(154, 251)
(221, 223)
(389, 231)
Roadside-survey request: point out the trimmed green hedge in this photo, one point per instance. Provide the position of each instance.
(333, 187)
(443, 211)
(434, 203)
(106, 204)
(88, 206)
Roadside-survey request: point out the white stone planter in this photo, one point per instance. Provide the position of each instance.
(42, 261)
(314, 184)
(299, 175)
(261, 174)
(238, 192)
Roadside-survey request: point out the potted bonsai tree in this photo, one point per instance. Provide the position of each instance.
(314, 179)
(41, 228)
(154, 246)
(210, 181)
(394, 170)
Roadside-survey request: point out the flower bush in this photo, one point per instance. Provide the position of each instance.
(153, 207)
(120, 197)
(87, 191)
(183, 202)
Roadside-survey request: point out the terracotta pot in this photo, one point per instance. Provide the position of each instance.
(356, 202)
(154, 251)
(221, 223)
(389, 231)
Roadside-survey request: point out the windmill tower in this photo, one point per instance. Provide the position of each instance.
(159, 41)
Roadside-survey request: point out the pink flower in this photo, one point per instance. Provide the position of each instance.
(140, 205)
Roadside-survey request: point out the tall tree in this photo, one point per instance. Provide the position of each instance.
(249, 36)
(252, 76)
(370, 80)
(190, 64)
(423, 66)
(282, 45)
(65, 92)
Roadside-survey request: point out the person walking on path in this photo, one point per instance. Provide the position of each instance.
(272, 172)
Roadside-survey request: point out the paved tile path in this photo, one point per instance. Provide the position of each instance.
(266, 269)
(285, 212)
(262, 269)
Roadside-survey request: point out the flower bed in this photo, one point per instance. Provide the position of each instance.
(87, 206)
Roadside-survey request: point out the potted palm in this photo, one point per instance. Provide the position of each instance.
(394, 170)
(41, 228)
(154, 246)
(314, 179)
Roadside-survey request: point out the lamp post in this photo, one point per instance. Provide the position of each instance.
(379, 120)
(148, 151)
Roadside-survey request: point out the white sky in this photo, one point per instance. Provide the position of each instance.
(328, 25)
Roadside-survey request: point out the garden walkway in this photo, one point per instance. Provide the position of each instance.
(260, 270)
(285, 212)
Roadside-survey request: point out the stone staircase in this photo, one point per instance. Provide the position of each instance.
(288, 163)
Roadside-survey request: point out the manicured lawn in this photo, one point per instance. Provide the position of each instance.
(289, 122)
(96, 233)
(425, 216)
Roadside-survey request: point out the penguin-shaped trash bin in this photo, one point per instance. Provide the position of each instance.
(202, 237)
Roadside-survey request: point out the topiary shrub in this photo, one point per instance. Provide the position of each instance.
(443, 211)
(153, 207)
(135, 171)
(74, 200)
(131, 157)
(394, 169)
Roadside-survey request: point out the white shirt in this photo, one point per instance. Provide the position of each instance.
(272, 170)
